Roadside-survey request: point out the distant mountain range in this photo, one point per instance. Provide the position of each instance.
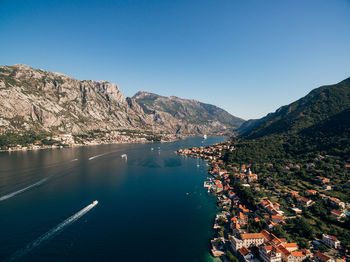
(41, 101)
(191, 113)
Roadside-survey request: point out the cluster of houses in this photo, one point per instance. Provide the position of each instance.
(111, 137)
(235, 217)
(271, 248)
(340, 208)
(339, 211)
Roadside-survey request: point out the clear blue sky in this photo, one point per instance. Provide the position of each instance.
(248, 57)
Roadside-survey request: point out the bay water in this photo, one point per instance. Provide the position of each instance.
(151, 203)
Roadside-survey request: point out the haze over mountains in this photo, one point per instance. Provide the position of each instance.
(41, 101)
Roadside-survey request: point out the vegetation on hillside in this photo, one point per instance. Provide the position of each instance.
(320, 104)
(289, 150)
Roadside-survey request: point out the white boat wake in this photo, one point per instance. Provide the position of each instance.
(22, 190)
(47, 236)
(107, 153)
(93, 157)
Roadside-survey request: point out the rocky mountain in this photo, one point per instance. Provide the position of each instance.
(41, 101)
(194, 115)
(319, 105)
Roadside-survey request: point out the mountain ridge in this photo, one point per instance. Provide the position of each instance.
(316, 124)
(186, 109)
(319, 104)
(42, 101)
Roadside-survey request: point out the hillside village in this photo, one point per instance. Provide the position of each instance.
(265, 218)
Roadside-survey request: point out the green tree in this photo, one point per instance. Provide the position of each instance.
(231, 257)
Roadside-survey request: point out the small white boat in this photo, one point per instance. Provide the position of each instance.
(124, 156)
(205, 137)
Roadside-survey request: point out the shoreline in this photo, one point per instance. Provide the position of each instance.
(137, 141)
(250, 220)
(77, 145)
(45, 147)
(216, 252)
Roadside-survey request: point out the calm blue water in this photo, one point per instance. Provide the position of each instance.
(152, 207)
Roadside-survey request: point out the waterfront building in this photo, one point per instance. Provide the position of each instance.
(245, 255)
(246, 240)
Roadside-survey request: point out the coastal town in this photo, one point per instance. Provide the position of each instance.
(26, 142)
(262, 219)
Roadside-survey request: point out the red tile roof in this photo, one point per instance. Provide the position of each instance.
(334, 238)
(336, 212)
(322, 257)
(291, 245)
(244, 251)
(252, 235)
(283, 250)
(298, 254)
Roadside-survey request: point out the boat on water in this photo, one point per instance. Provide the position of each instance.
(205, 137)
(124, 156)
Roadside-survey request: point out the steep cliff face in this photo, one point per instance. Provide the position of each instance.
(33, 99)
(44, 101)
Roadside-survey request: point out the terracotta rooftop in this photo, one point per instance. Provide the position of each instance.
(277, 217)
(252, 235)
(321, 256)
(333, 237)
(291, 245)
(298, 254)
(303, 199)
(244, 251)
(283, 250)
(266, 235)
(336, 212)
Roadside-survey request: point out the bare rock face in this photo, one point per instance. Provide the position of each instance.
(44, 101)
(40, 101)
(184, 116)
